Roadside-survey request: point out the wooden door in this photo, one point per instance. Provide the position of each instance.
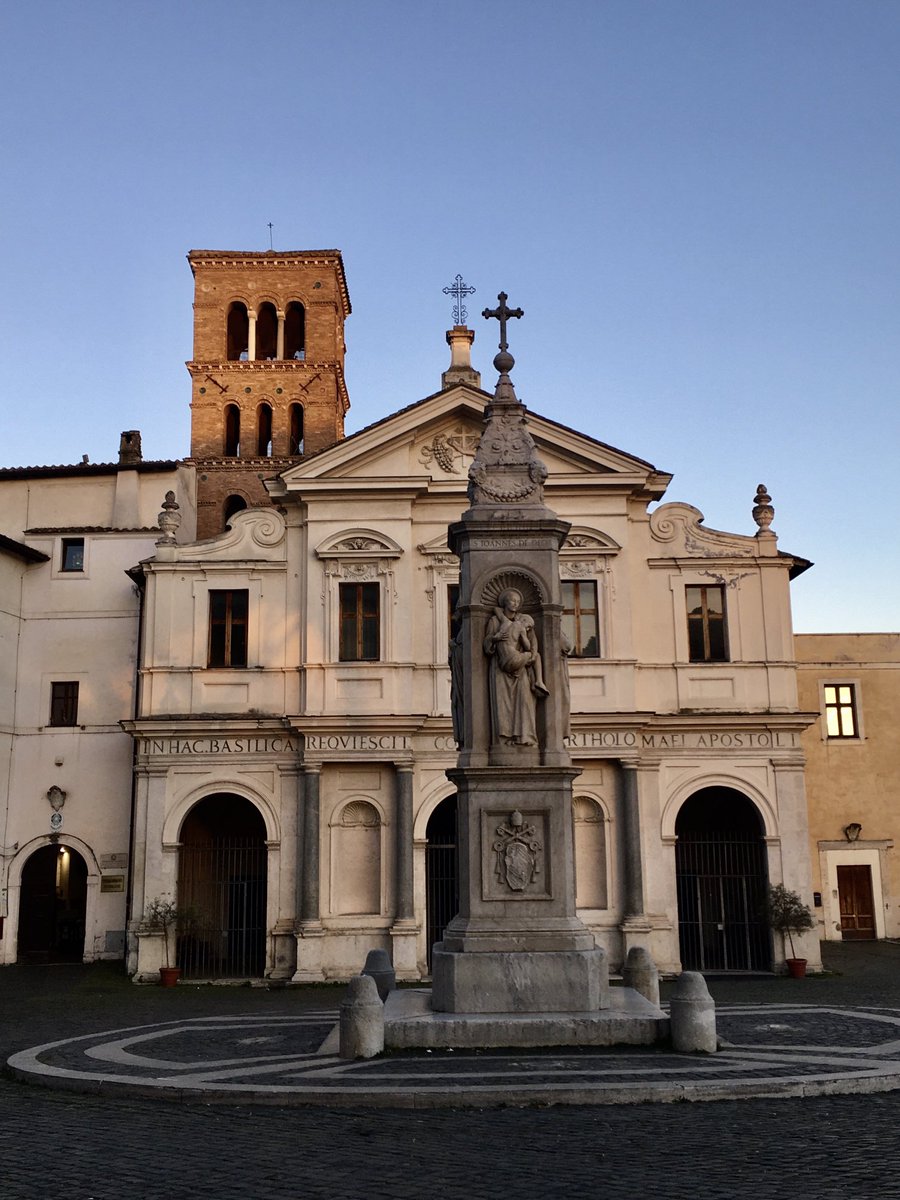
(857, 906)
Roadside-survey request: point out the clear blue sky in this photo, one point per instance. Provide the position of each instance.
(696, 204)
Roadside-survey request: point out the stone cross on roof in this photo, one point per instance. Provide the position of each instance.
(504, 361)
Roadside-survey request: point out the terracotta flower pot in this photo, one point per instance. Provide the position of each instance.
(169, 976)
(796, 967)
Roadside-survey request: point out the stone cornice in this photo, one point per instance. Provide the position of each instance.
(267, 260)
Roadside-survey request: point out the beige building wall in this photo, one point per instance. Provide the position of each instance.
(78, 627)
(853, 774)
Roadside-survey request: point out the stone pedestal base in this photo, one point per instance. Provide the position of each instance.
(519, 981)
(310, 941)
(404, 951)
(410, 1022)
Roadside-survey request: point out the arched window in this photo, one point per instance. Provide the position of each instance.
(296, 442)
(295, 331)
(233, 504)
(266, 331)
(264, 431)
(232, 431)
(238, 331)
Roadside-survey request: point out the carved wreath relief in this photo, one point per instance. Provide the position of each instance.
(517, 850)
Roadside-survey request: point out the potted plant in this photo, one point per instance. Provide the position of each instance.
(787, 915)
(163, 915)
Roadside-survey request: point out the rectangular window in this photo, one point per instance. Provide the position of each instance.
(64, 703)
(72, 554)
(706, 623)
(580, 621)
(228, 628)
(840, 711)
(360, 622)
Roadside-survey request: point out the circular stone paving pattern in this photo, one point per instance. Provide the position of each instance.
(767, 1050)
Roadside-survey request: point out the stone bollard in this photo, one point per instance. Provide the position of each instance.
(641, 974)
(693, 1014)
(362, 1019)
(379, 967)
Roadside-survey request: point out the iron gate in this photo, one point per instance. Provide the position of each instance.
(722, 879)
(223, 883)
(441, 872)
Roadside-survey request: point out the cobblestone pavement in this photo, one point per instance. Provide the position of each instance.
(104, 1147)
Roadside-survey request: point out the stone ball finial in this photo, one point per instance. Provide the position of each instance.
(504, 362)
(763, 511)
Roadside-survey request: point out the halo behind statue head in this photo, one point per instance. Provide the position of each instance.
(511, 581)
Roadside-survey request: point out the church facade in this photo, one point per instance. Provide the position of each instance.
(292, 724)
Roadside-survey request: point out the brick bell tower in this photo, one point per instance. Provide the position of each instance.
(267, 376)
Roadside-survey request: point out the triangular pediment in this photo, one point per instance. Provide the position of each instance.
(431, 444)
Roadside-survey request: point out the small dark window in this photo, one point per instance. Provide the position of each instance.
(295, 331)
(64, 703)
(72, 554)
(238, 331)
(228, 628)
(266, 332)
(707, 641)
(840, 711)
(232, 431)
(580, 620)
(296, 429)
(360, 621)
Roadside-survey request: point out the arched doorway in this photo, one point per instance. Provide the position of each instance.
(52, 905)
(222, 880)
(441, 871)
(722, 874)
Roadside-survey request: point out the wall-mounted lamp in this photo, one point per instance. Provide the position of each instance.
(852, 831)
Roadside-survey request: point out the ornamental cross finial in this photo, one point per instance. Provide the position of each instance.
(503, 314)
(459, 290)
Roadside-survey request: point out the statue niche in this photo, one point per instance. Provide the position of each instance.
(516, 674)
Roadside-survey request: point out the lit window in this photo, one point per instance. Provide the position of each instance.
(64, 703)
(840, 710)
(706, 623)
(580, 619)
(228, 628)
(72, 554)
(360, 621)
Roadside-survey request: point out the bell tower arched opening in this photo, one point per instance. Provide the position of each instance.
(264, 431)
(237, 331)
(266, 332)
(295, 331)
(722, 875)
(232, 431)
(222, 865)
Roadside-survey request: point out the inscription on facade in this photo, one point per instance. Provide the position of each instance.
(221, 745)
(722, 739)
(358, 741)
